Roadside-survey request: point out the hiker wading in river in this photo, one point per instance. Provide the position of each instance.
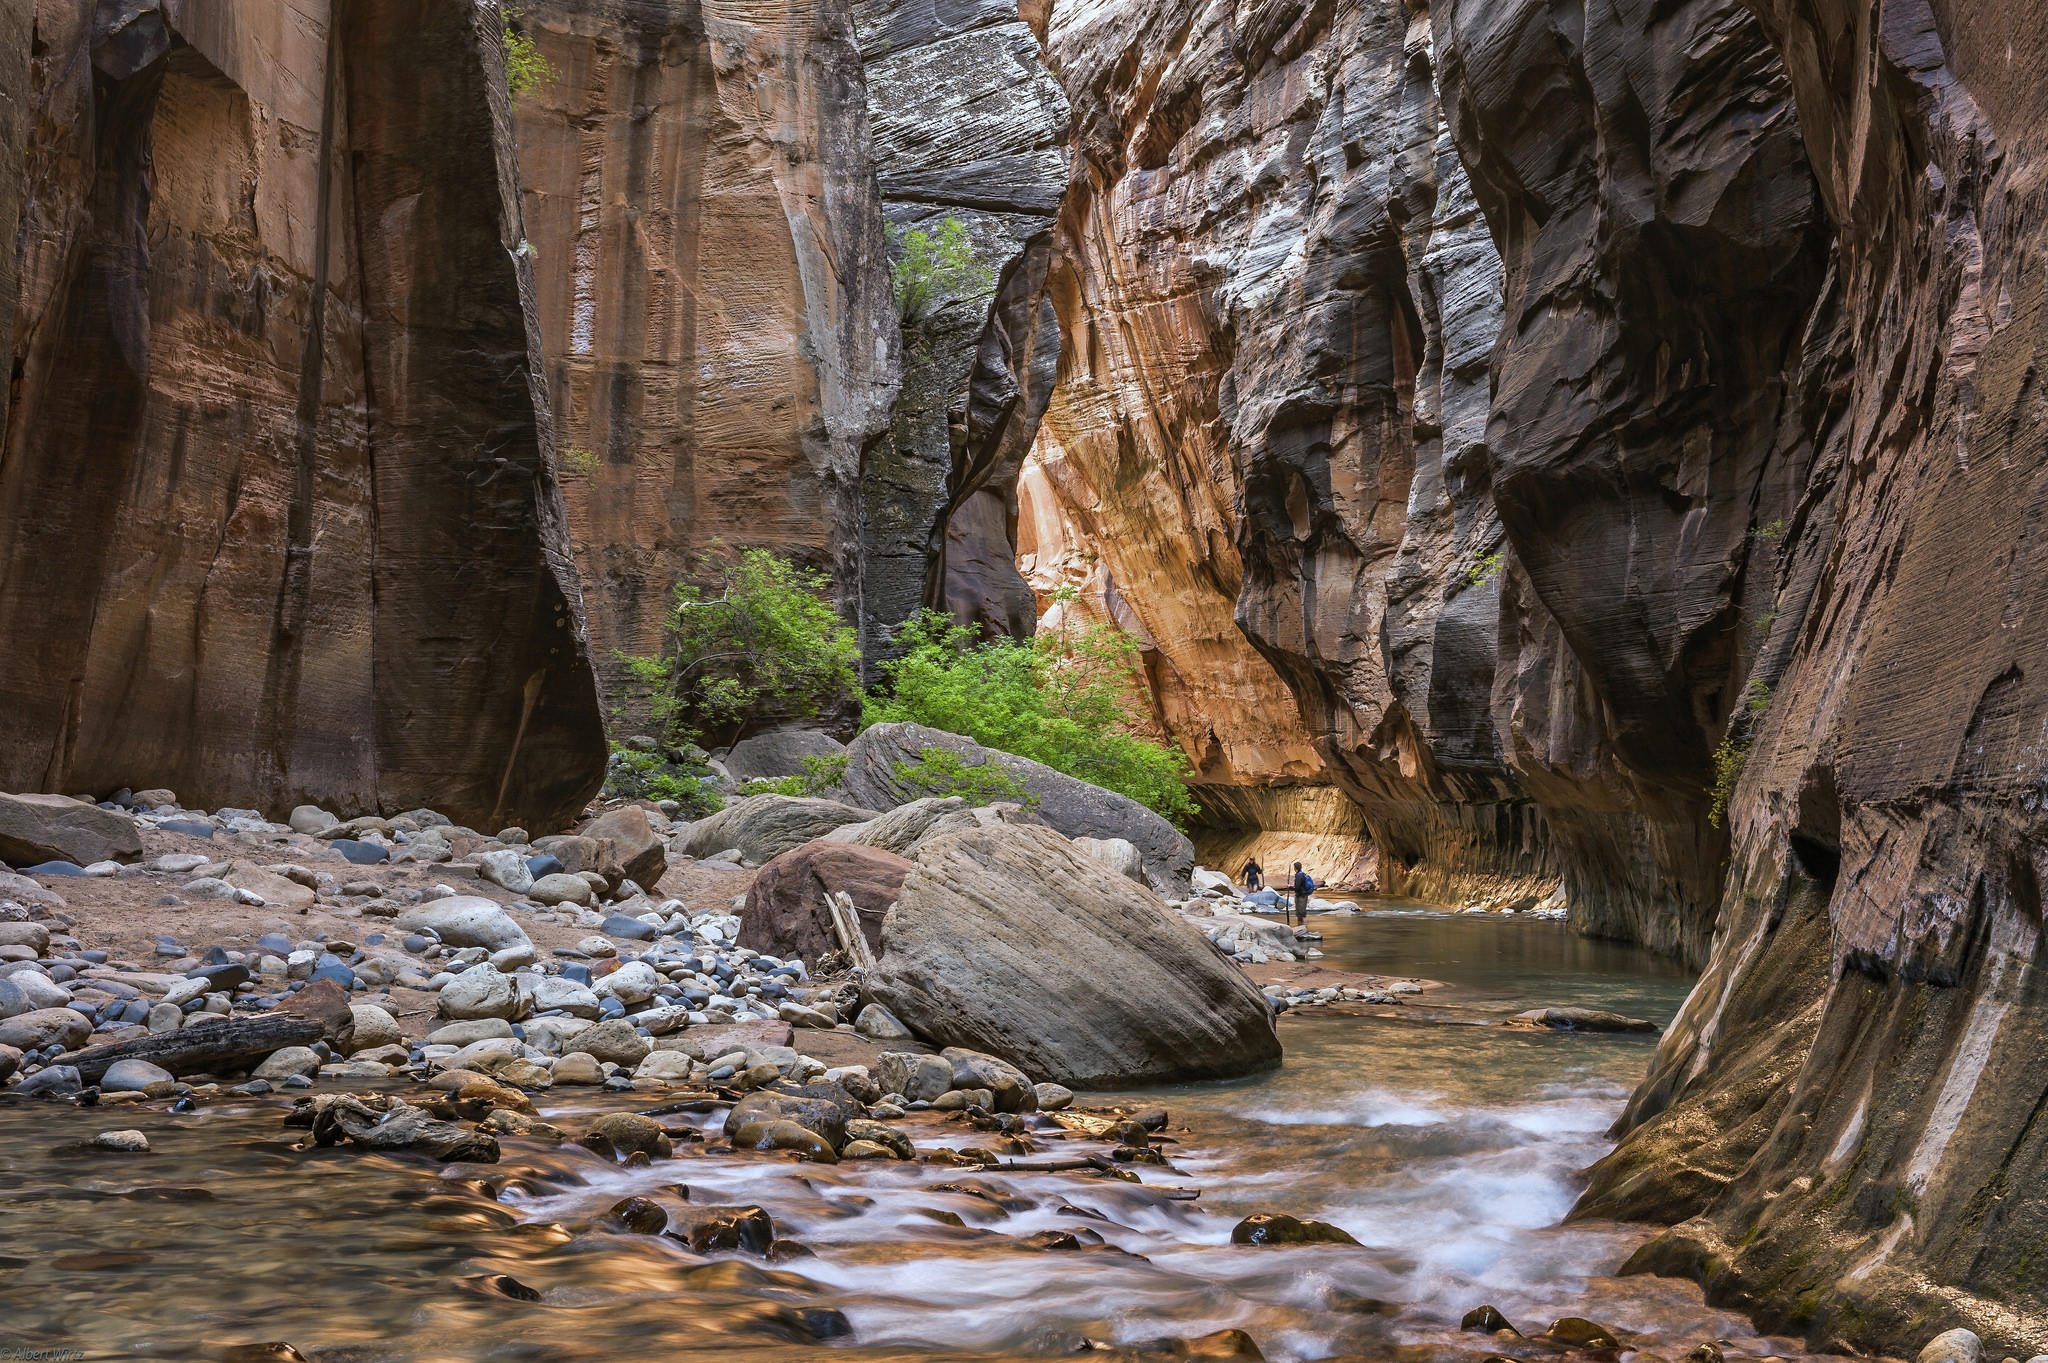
(1304, 886)
(1253, 875)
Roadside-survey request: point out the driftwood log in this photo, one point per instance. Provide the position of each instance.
(207, 1047)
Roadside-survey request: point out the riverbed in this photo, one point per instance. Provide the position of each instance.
(1451, 1152)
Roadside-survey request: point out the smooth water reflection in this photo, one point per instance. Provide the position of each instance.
(1450, 1151)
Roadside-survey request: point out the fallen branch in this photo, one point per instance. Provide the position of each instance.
(206, 1047)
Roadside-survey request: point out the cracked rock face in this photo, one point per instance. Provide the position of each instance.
(711, 287)
(969, 128)
(280, 516)
(1849, 1107)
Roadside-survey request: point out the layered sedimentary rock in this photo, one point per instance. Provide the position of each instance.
(1643, 176)
(1456, 506)
(281, 521)
(16, 27)
(1271, 427)
(712, 289)
(1851, 1103)
(969, 129)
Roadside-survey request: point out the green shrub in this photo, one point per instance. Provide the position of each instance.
(931, 270)
(1486, 569)
(942, 772)
(821, 772)
(638, 775)
(526, 70)
(1729, 760)
(1068, 698)
(577, 460)
(769, 644)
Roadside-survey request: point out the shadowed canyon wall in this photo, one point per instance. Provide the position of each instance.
(1851, 1104)
(712, 288)
(281, 519)
(971, 129)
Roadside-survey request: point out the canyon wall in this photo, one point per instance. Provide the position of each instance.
(970, 136)
(713, 292)
(1850, 1106)
(1261, 401)
(1431, 484)
(281, 518)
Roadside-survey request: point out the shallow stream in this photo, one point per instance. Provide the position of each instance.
(1451, 1152)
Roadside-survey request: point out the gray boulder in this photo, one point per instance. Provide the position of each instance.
(40, 1027)
(1118, 854)
(465, 921)
(39, 989)
(899, 830)
(615, 1041)
(779, 752)
(920, 1078)
(374, 1027)
(13, 1001)
(1072, 806)
(1007, 940)
(479, 992)
(133, 1076)
(505, 868)
(39, 828)
(34, 936)
(763, 827)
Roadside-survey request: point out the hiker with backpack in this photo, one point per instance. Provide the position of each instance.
(1304, 886)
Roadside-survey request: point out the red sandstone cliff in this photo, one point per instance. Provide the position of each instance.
(281, 519)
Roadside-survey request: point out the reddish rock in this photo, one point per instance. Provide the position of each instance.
(279, 511)
(326, 1003)
(785, 913)
(636, 847)
(712, 290)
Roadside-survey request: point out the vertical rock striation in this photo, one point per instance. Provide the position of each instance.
(969, 128)
(712, 290)
(1850, 1105)
(1432, 393)
(1642, 173)
(281, 518)
(1271, 426)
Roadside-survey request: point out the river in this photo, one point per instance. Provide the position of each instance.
(1451, 1152)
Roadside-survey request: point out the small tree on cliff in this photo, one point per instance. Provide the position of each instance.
(767, 643)
(929, 269)
(526, 70)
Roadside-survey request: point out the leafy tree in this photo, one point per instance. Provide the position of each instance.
(930, 270)
(770, 643)
(526, 70)
(1068, 698)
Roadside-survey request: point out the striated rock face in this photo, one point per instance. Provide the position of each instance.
(712, 290)
(281, 520)
(16, 30)
(1271, 430)
(969, 128)
(1427, 486)
(1850, 1104)
(1642, 173)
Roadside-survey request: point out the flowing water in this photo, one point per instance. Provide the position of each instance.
(1450, 1151)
